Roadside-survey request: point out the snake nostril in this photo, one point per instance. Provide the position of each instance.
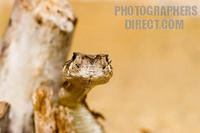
(77, 65)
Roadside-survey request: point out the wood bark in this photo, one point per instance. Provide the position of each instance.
(49, 116)
(32, 51)
(4, 120)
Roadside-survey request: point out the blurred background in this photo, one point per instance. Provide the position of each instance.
(156, 82)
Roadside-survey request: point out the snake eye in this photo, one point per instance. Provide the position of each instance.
(74, 56)
(108, 59)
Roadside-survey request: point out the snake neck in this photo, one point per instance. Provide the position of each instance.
(72, 95)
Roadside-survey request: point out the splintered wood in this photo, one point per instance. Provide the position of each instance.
(48, 116)
(4, 120)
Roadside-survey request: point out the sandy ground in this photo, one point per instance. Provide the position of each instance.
(156, 82)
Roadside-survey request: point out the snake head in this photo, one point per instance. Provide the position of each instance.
(88, 69)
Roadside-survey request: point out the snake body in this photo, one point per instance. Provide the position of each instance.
(84, 121)
(81, 74)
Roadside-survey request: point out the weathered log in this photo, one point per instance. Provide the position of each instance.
(32, 51)
(43, 110)
(4, 120)
(49, 117)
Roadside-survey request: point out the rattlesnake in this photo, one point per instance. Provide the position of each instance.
(80, 75)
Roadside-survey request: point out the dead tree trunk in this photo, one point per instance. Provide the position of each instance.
(4, 120)
(32, 51)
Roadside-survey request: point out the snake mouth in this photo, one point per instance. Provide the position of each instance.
(90, 81)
